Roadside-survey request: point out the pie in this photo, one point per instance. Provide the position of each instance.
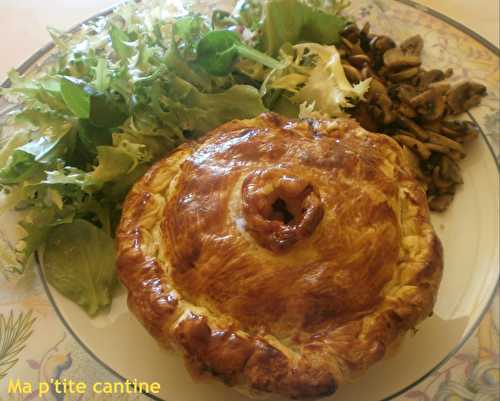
(280, 255)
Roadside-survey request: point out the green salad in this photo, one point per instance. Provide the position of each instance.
(130, 87)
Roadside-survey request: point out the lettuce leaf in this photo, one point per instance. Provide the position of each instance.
(37, 225)
(120, 94)
(79, 261)
(295, 21)
(200, 112)
(113, 163)
(28, 159)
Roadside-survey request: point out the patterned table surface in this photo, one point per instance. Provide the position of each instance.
(35, 346)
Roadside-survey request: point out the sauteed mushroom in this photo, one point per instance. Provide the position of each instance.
(429, 104)
(412, 46)
(403, 75)
(464, 96)
(426, 78)
(351, 33)
(412, 105)
(352, 74)
(461, 131)
(380, 44)
(395, 58)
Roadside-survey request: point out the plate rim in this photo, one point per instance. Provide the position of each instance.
(29, 62)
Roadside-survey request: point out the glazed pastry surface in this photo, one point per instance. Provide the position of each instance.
(279, 255)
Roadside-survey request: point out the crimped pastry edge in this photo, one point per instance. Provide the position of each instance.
(260, 363)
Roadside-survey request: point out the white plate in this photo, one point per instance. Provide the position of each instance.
(469, 232)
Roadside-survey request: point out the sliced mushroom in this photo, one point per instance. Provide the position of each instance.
(412, 46)
(415, 145)
(440, 203)
(356, 49)
(366, 29)
(404, 75)
(430, 104)
(383, 71)
(348, 44)
(441, 184)
(450, 170)
(434, 126)
(413, 127)
(342, 51)
(368, 72)
(395, 58)
(351, 33)
(376, 87)
(364, 37)
(382, 108)
(445, 141)
(425, 78)
(407, 111)
(380, 44)
(403, 92)
(359, 60)
(440, 87)
(459, 130)
(352, 74)
(464, 96)
(410, 104)
(435, 147)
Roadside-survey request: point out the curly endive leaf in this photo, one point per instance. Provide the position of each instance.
(14, 333)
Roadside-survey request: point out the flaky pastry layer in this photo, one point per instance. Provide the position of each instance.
(281, 256)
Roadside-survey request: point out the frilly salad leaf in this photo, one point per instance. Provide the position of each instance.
(113, 163)
(121, 43)
(319, 85)
(268, 26)
(79, 261)
(246, 14)
(187, 33)
(125, 90)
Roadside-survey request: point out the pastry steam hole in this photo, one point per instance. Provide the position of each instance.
(280, 208)
(281, 212)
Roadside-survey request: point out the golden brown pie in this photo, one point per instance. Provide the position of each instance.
(279, 255)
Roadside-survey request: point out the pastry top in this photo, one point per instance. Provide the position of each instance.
(280, 255)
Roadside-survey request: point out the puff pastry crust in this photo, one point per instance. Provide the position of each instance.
(281, 256)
